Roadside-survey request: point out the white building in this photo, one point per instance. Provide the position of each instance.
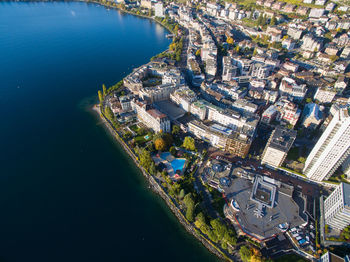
(289, 87)
(337, 207)
(316, 12)
(159, 9)
(276, 150)
(331, 149)
(152, 118)
(324, 95)
(184, 97)
(330, 257)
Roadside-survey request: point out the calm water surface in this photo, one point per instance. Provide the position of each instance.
(67, 191)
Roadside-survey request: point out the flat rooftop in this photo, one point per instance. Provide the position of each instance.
(170, 109)
(284, 210)
(282, 138)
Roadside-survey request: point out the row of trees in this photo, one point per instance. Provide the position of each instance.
(216, 230)
(263, 20)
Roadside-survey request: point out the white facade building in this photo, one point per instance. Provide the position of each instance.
(159, 10)
(332, 148)
(152, 118)
(337, 207)
(278, 145)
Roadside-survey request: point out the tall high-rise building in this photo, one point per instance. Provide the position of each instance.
(337, 207)
(332, 148)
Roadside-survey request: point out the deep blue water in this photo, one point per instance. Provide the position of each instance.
(67, 191)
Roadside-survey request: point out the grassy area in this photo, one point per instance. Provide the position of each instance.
(134, 128)
(140, 140)
(293, 171)
(300, 3)
(290, 258)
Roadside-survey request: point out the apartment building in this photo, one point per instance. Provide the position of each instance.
(278, 145)
(337, 207)
(332, 148)
(221, 137)
(152, 118)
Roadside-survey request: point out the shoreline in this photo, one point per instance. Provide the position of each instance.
(153, 184)
(156, 188)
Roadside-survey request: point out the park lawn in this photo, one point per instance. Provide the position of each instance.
(140, 140)
(134, 128)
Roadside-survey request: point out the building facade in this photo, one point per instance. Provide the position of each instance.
(332, 148)
(278, 145)
(337, 207)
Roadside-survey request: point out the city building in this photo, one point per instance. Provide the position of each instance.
(159, 9)
(332, 148)
(183, 97)
(150, 117)
(289, 87)
(231, 141)
(278, 145)
(325, 94)
(337, 207)
(330, 257)
(312, 116)
(311, 43)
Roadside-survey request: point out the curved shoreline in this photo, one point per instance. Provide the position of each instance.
(154, 185)
(156, 188)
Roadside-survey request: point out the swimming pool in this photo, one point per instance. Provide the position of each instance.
(164, 155)
(176, 163)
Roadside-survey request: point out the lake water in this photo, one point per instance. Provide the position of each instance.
(67, 190)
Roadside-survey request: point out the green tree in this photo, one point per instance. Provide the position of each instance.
(109, 113)
(152, 168)
(168, 138)
(198, 52)
(260, 20)
(273, 21)
(100, 96)
(189, 203)
(176, 130)
(145, 159)
(104, 90)
(182, 194)
(172, 150)
(189, 143)
(255, 51)
(245, 253)
(301, 159)
(237, 49)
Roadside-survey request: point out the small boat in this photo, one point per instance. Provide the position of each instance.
(235, 205)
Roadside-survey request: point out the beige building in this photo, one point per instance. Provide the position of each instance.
(150, 117)
(278, 145)
(324, 95)
(222, 137)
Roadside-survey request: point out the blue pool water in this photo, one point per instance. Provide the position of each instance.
(177, 163)
(164, 155)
